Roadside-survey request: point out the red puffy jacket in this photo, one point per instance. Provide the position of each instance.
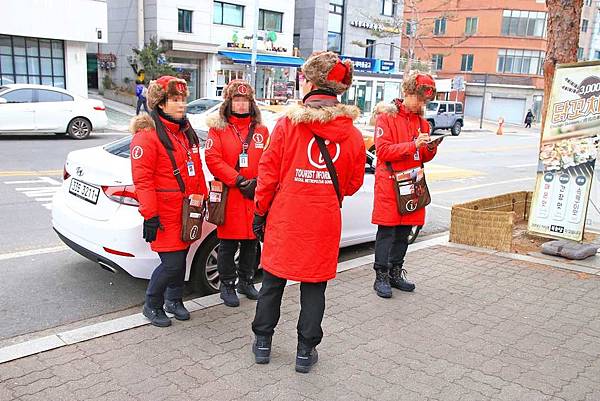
(155, 185)
(223, 148)
(395, 134)
(303, 228)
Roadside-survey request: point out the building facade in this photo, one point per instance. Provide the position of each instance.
(498, 47)
(37, 52)
(589, 35)
(207, 42)
(349, 27)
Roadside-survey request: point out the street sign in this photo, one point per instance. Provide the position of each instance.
(361, 64)
(458, 83)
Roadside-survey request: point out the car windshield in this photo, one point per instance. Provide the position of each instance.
(201, 105)
(432, 106)
(120, 147)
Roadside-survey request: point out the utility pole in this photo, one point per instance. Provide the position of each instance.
(483, 101)
(254, 46)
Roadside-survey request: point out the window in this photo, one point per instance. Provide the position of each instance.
(518, 61)
(459, 108)
(19, 96)
(588, 3)
(388, 8)
(437, 62)
(31, 60)
(442, 108)
(335, 23)
(228, 14)
(411, 28)
(439, 27)
(466, 63)
(52, 96)
(584, 25)
(270, 20)
(580, 53)
(370, 49)
(523, 23)
(184, 23)
(597, 55)
(450, 107)
(471, 26)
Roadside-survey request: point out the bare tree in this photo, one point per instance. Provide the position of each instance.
(415, 29)
(563, 40)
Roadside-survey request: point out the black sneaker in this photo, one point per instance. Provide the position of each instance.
(247, 288)
(156, 316)
(228, 294)
(398, 279)
(262, 349)
(306, 358)
(382, 283)
(176, 308)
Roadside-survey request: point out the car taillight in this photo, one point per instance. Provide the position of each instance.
(124, 195)
(65, 174)
(119, 253)
(99, 108)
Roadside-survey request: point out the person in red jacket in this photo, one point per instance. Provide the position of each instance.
(299, 201)
(159, 193)
(236, 140)
(401, 136)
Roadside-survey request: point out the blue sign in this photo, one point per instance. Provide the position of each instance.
(387, 66)
(361, 64)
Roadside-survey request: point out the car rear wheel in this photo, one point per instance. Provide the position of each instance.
(456, 128)
(79, 128)
(431, 126)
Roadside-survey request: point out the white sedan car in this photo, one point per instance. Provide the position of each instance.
(40, 108)
(96, 214)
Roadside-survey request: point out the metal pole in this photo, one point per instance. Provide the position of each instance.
(140, 24)
(483, 101)
(254, 45)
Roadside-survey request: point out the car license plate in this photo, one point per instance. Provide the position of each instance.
(84, 191)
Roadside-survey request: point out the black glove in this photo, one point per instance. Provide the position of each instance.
(247, 188)
(258, 226)
(239, 180)
(151, 228)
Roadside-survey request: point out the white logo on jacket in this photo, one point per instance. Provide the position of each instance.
(209, 144)
(379, 132)
(137, 152)
(321, 161)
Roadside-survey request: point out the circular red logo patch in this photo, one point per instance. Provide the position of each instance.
(242, 90)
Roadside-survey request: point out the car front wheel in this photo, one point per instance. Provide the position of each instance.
(456, 128)
(79, 128)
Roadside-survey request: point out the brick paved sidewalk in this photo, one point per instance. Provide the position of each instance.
(479, 327)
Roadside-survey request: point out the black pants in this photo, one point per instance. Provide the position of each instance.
(391, 244)
(226, 259)
(141, 103)
(167, 279)
(312, 308)
(527, 125)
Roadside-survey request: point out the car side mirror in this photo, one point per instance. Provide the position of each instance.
(3, 100)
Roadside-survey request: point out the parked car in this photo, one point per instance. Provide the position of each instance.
(445, 115)
(96, 214)
(40, 108)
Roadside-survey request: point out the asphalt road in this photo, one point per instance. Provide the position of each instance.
(57, 286)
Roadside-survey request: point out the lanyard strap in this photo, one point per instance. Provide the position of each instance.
(246, 142)
(185, 148)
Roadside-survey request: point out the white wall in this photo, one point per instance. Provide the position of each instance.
(76, 20)
(76, 67)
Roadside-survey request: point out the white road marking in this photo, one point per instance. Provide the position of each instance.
(42, 194)
(33, 252)
(439, 206)
(489, 184)
(523, 165)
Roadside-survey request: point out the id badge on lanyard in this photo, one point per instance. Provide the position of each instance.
(191, 169)
(416, 155)
(244, 156)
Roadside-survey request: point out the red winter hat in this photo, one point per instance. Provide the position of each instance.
(327, 71)
(420, 84)
(164, 87)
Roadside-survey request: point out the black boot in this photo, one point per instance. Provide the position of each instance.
(306, 357)
(228, 294)
(156, 315)
(382, 283)
(398, 279)
(176, 308)
(246, 286)
(262, 349)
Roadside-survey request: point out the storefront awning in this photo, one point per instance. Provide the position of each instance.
(262, 59)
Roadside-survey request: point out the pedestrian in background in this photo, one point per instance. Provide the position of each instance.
(528, 119)
(141, 92)
(315, 157)
(159, 190)
(401, 136)
(236, 140)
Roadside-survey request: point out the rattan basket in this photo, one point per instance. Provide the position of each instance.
(489, 222)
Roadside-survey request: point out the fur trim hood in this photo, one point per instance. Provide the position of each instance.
(141, 122)
(304, 114)
(382, 108)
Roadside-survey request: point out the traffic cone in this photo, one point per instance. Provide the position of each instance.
(500, 126)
